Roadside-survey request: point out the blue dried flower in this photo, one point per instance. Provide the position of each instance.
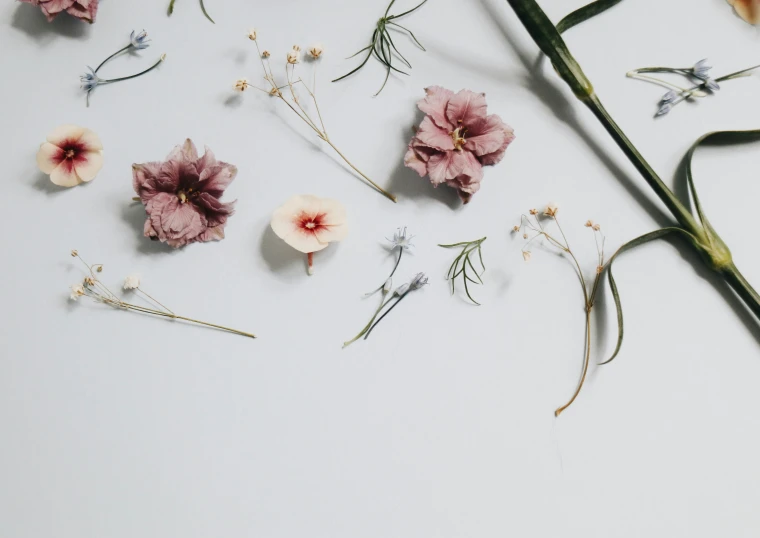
(90, 80)
(139, 41)
(701, 68)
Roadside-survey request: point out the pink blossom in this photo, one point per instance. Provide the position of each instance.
(456, 139)
(81, 9)
(72, 155)
(182, 196)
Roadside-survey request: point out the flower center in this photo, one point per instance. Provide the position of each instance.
(457, 136)
(310, 225)
(182, 197)
(70, 153)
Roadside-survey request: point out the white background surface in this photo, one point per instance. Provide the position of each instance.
(440, 425)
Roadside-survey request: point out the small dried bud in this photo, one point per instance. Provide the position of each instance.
(292, 57)
(241, 84)
(597, 227)
(526, 255)
(387, 286)
(274, 91)
(265, 54)
(252, 34)
(589, 224)
(599, 269)
(297, 48)
(534, 211)
(551, 210)
(315, 51)
(89, 281)
(516, 228)
(99, 268)
(525, 236)
(74, 253)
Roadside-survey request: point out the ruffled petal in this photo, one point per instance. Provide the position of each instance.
(433, 136)
(143, 179)
(49, 157)
(216, 178)
(498, 155)
(413, 161)
(185, 152)
(56, 6)
(88, 164)
(434, 105)
(487, 136)
(466, 108)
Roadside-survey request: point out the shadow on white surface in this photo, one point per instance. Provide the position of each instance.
(30, 20)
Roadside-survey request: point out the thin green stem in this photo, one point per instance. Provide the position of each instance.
(151, 68)
(112, 56)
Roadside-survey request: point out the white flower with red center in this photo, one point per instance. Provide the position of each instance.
(71, 155)
(309, 223)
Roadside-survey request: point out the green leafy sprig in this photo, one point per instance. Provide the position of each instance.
(462, 262)
(203, 8)
(382, 47)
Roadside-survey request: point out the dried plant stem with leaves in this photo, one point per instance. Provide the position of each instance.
(692, 225)
(533, 229)
(288, 95)
(93, 288)
(382, 47)
(462, 262)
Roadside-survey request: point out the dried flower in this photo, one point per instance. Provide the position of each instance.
(182, 196)
(71, 155)
(534, 211)
(74, 253)
(309, 224)
(81, 9)
(266, 54)
(551, 210)
(749, 10)
(456, 139)
(132, 282)
(419, 280)
(596, 227)
(90, 80)
(295, 103)
(515, 228)
(589, 224)
(315, 51)
(462, 262)
(99, 292)
(77, 291)
(241, 84)
(139, 41)
(526, 255)
(402, 242)
(252, 34)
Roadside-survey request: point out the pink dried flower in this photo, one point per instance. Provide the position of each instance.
(309, 224)
(456, 139)
(182, 196)
(81, 9)
(72, 155)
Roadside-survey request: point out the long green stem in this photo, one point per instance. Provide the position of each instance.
(708, 243)
(111, 56)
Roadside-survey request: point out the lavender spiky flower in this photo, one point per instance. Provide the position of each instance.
(139, 41)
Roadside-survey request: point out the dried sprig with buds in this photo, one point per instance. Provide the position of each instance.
(419, 280)
(203, 8)
(402, 241)
(94, 289)
(287, 94)
(382, 47)
(462, 262)
(534, 228)
(698, 74)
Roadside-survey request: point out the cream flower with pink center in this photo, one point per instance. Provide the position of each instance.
(309, 223)
(749, 10)
(71, 155)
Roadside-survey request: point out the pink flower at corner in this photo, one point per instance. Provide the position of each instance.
(182, 196)
(456, 139)
(309, 224)
(72, 155)
(81, 9)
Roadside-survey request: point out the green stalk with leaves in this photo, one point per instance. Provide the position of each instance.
(694, 226)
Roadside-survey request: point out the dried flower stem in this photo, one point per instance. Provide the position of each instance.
(96, 290)
(295, 106)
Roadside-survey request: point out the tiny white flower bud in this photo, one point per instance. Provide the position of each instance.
(387, 286)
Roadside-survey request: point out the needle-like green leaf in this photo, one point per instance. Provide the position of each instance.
(585, 13)
(461, 262)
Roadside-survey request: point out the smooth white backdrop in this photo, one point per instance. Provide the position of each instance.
(441, 424)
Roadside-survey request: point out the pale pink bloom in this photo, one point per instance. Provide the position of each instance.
(749, 10)
(308, 223)
(182, 196)
(71, 155)
(81, 9)
(456, 139)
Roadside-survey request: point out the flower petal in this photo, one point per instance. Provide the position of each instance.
(215, 178)
(433, 136)
(65, 133)
(498, 155)
(88, 164)
(64, 175)
(413, 161)
(49, 157)
(749, 10)
(143, 179)
(487, 136)
(90, 140)
(334, 212)
(331, 233)
(434, 105)
(185, 152)
(466, 108)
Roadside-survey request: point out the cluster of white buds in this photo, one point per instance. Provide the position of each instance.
(294, 55)
(315, 51)
(252, 34)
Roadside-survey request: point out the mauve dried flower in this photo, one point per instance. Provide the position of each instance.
(456, 139)
(81, 9)
(72, 155)
(182, 196)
